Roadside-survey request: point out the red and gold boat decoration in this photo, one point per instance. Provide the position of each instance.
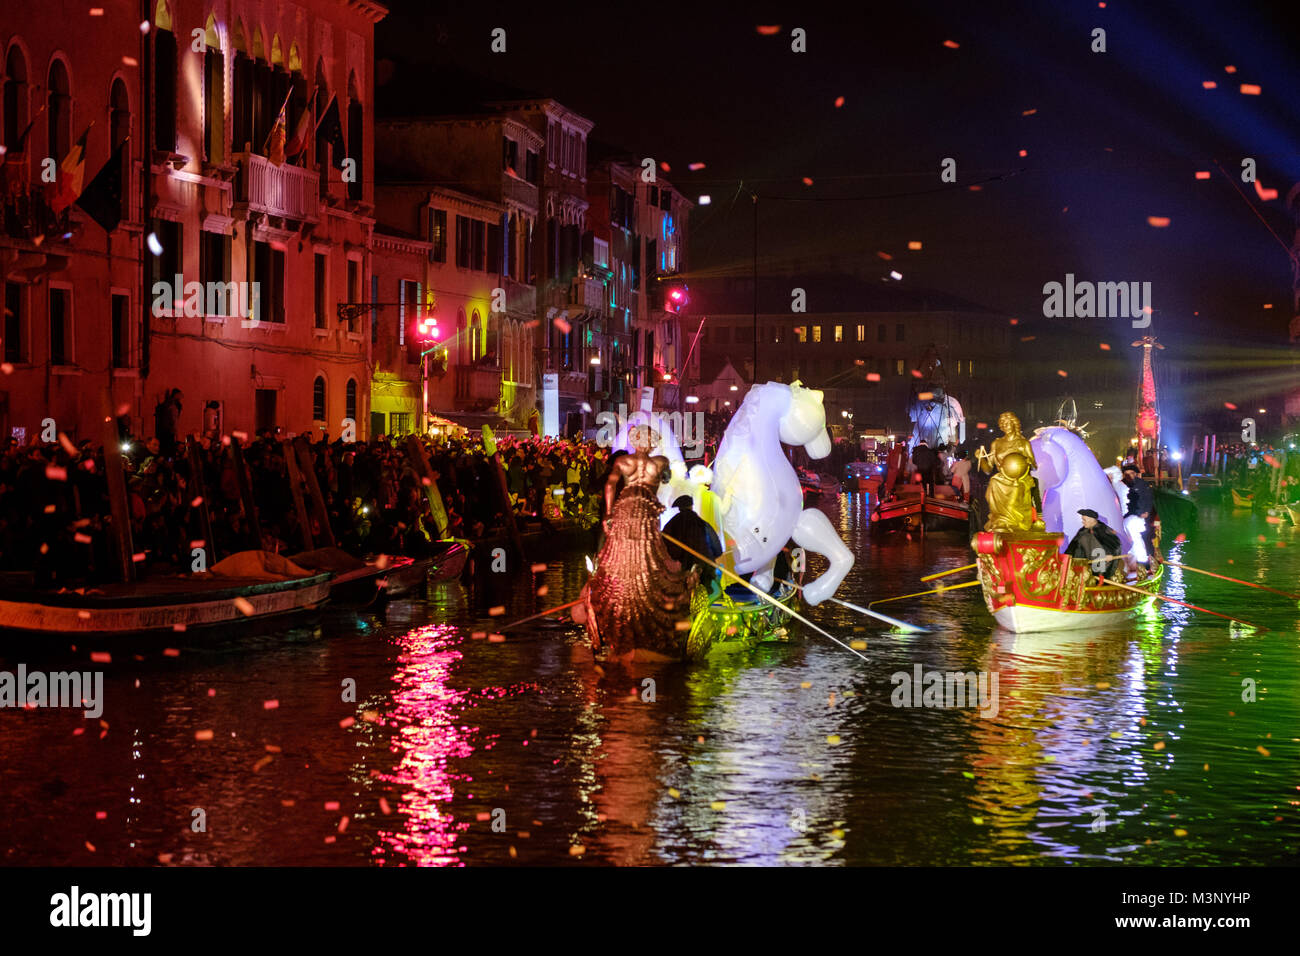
(1029, 585)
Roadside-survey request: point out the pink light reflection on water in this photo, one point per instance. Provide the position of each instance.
(428, 738)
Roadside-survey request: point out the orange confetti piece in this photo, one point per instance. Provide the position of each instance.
(1159, 222)
(1028, 112)
(1024, 152)
(1265, 194)
(331, 804)
(1230, 406)
(243, 606)
(130, 61)
(496, 638)
(914, 245)
(1202, 174)
(347, 722)
(1105, 347)
(171, 652)
(1251, 89)
(873, 376)
(496, 611)
(1063, 373)
(1209, 84)
(1159, 745)
(1263, 751)
(1229, 69)
(538, 568)
(951, 44)
(665, 167)
(101, 657)
(541, 592)
(343, 825)
(884, 255)
(563, 325)
(270, 705)
(478, 635)
(807, 181)
(101, 814)
(1180, 539)
(55, 473)
(768, 31)
(90, 846)
(81, 538)
(925, 396)
(384, 808)
(916, 373)
(262, 762)
(202, 735)
(178, 627)
(839, 101)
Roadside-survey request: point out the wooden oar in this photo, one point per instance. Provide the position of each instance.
(762, 594)
(534, 617)
(1194, 607)
(1224, 577)
(949, 587)
(913, 628)
(944, 574)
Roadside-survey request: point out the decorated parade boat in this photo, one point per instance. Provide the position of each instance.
(1028, 583)
(642, 604)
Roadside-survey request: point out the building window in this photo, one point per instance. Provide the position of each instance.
(839, 333)
(356, 140)
(509, 155)
(13, 326)
(970, 369)
(354, 289)
(60, 326)
(15, 97)
(58, 112)
(817, 333)
(320, 264)
(350, 400)
(214, 95)
(478, 244)
(214, 273)
(318, 399)
(167, 265)
(494, 248)
(880, 333)
(399, 423)
(408, 294)
(462, 243)
(268, 273)
(898, 366)
(898, 332)
(121, 318)
(530, 168)
(862, 333)
(438, 235)
(164, 81)
(801, 332)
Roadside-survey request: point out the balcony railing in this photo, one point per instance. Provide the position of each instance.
(478, 386)
(518, 191)
(287, 191)
(521, 298)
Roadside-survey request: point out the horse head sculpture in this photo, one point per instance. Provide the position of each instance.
(1070, 478)
(761, 500)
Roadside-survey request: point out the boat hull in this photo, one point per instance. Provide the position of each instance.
(117, 611)
(1242, 501)
(1029, 585)
(738, 619)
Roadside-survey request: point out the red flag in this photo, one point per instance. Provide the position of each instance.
(298, 142)
(72, 171)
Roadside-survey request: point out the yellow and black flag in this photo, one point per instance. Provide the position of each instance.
(67, 185)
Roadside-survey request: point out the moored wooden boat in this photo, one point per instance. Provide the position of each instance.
(160, 604)
(1029, 585)
(1240, 500)
(449, 561)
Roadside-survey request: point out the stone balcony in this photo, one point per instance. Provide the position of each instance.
(285, 191)
(478, 387)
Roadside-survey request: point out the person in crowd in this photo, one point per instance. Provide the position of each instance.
(926, 462)
(697, 534)
(1137, 519)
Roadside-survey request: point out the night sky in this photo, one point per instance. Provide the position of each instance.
(1117, 137)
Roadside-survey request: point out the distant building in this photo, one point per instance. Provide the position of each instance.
(197, 97)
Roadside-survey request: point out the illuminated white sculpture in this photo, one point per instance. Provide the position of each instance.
(1070, 478)
(761, 500)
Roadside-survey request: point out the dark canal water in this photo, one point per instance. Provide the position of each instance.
(1130, 745)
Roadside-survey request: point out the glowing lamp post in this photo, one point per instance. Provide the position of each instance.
(427, 336)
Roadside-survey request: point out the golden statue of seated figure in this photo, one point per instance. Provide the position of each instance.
(1010, 495)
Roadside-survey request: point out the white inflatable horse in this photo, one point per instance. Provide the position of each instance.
(679, 481)
(1070, 478)
(761, 501)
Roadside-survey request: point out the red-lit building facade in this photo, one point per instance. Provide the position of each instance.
(195, 94)
(465, 187)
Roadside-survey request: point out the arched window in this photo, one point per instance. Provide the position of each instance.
(318, 399)
(350, 400)
(356, 137)
(119, 127)
(241, 118)
(322, 102)
(214, 94)
(164, 79)
(475, 338)
(462, 339)
(58, 111)
(15, 96)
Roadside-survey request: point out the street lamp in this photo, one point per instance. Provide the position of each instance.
(427, 337)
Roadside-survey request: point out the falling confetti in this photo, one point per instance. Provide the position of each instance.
(1250, 89)
(951, 44)
(101, 657)
(1202, 174)
(807, 181)
(769, 31)
(347, 722)
(1105, 347)
(914, 245)
(839, 101)
(563, 325)
(202, 735)
(1159, 222)
(1209, 84)
(695, 167)
(1265, 194)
